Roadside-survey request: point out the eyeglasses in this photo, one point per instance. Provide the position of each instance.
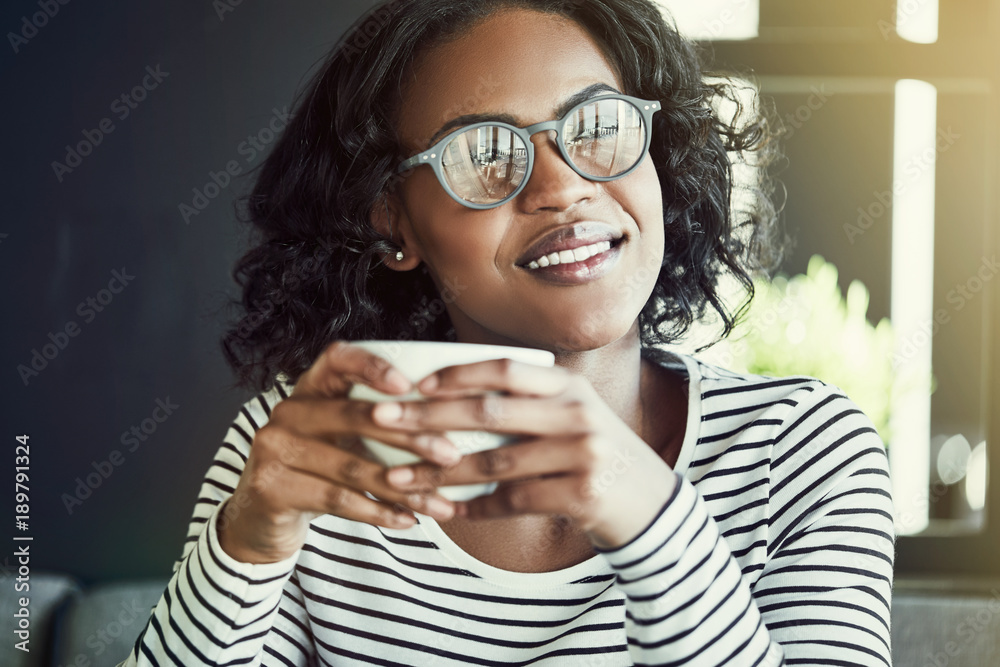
(486, 164)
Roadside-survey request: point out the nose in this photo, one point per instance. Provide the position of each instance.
(552, 184)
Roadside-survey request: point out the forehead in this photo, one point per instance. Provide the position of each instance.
(519, 63)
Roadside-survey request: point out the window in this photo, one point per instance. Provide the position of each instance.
(892, 147)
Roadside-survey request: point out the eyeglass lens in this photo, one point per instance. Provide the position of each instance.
(602, 139)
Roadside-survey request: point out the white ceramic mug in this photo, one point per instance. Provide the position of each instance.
(418, 359)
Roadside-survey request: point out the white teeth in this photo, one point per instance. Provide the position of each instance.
(570, 256)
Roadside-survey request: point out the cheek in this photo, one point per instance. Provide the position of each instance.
(458, 244)
(645, 192)
(640, 196)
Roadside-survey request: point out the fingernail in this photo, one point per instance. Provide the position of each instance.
(429, 384)
(405, 519)
(446, 452)
(401, 476)
(388, 412)
(397, 379)
(440, 508)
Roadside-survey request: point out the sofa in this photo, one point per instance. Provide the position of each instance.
(935, 623)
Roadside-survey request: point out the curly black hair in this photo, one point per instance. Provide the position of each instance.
(316, 271)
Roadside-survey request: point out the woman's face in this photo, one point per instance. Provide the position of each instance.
(525, 65)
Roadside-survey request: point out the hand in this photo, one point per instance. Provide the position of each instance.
(308, 460)
(577, 458)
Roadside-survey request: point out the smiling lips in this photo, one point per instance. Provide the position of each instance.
(568, 243)
(574, 254)
(570, 256)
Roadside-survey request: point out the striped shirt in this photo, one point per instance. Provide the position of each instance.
(776, 548)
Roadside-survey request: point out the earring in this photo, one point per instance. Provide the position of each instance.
(399, 256)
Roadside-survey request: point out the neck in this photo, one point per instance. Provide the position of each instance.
(615, 372)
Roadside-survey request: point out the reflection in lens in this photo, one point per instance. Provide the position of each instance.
(485, 164)
(605, 138)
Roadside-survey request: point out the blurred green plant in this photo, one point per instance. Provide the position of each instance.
(805, 325)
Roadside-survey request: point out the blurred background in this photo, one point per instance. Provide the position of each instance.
(890, 177)
(132, 127)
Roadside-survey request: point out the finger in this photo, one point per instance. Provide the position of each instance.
(346, 469)
(342, 365)
(308, 493)
(534, 458)
(497, 375)
(488, 412)
(276, 449)
(328, 419)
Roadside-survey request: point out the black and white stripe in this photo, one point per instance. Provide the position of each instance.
(776, 549)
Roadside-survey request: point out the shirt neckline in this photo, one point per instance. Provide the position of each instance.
(596, 565)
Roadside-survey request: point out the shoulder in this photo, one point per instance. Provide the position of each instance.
(793, 419)
(723, 393)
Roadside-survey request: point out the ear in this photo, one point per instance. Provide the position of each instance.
(388, 218)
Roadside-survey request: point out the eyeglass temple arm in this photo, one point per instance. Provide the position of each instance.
(410, 163)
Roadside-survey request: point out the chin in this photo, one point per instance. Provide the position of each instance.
(593, 334)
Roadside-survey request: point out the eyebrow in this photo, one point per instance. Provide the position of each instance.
(468, 119)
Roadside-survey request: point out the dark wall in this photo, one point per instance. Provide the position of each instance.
(220, 77)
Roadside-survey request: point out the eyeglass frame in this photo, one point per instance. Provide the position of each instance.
(434, 155)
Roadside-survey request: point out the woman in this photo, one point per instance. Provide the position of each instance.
(656, 510)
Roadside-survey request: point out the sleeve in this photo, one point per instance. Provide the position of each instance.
(818, 594)
(215, 609)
